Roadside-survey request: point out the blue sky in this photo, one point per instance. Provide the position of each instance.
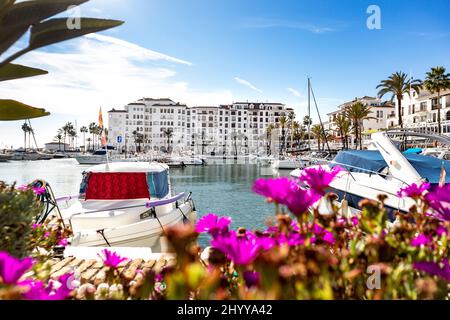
(210, 52)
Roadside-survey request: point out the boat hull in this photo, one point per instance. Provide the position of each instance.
(147, 232)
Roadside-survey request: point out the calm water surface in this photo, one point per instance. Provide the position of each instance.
(220, 189)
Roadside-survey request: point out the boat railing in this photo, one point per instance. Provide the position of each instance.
(319, 161)
(148, 204)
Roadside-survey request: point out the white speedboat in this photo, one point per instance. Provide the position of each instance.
(182, 161)
(29, 155)
(126, 204)
(98, 157)
(386, 170)
(290, 163)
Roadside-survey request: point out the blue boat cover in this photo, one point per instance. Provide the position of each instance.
(158, 184)
(368, 160)
(413, 150)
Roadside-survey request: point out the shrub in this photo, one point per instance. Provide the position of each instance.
(18, 208)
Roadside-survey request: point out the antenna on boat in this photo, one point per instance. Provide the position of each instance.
(309, 113)
(320, 118)
(32, 133)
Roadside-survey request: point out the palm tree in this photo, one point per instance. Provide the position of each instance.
(26, 129)
(307, 121)
(67, 128)
(93, 130)
(357, 113)
(317, 132)
(138, 139)
(436, 81)
(169, 134)
(282, 122)
(59, 137)
(291, 119)
(295, 128)
(343, 128)
(84, 130)
(269, 131)
(89, 143)
(397, 84)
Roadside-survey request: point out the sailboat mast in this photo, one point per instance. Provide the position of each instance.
(309, 113)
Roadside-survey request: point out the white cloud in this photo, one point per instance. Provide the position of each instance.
(247, 84)
(294, 92)
(99, 70)
(140, 52)
(264, 23)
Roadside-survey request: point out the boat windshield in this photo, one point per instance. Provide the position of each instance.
(124, 185)
(372, 161)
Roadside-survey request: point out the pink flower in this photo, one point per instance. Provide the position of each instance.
(328, 237)
(420, 240)
(437, 269)
(12, 269)
(439, 201)
(354, 220)
(38, 291)
(63, 242)
(299, 200)
(36, 226)
(441, 230)
(22, 188)
(241, 250)
(414, 191)
(47, 235)
(319, 179)
(213, 224)
(322, 233)
(251, 278)
(111, 259)
(275, 190)
(39, 191)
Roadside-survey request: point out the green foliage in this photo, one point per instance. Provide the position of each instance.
(16, 19)
(17, 211)
(11, 110)
(13, 71)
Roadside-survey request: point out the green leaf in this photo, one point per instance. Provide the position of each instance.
(56, 30)
(5, 5)
(16, 19)
(16, 71)
(11, 110)
(28, 13)
(9, 36)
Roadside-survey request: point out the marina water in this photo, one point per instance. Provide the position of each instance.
(221, 189)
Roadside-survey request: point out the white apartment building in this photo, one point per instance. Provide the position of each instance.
(381, 111)
(226, 129)
(420, 112)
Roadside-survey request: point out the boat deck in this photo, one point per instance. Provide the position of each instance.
(92, 270)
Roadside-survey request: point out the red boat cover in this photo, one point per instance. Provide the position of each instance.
(117, 186)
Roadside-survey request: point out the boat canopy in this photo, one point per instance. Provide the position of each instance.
(372, 161)
(124, 181)
(413, 151)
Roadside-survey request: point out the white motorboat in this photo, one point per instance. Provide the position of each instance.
(29, 155)
(386, 170)
(98, 157)
(290, 163)
(182, 161)
(126, 204)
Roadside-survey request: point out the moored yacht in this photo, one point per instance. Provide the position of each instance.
(368, 173)
(126, 204)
